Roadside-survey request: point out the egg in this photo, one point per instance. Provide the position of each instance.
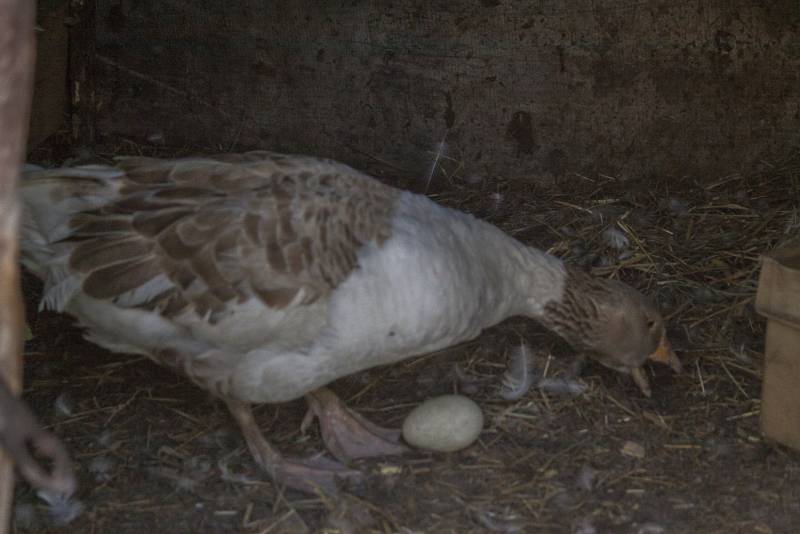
(444, 424)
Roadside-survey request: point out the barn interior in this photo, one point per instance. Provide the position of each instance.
(651, 142)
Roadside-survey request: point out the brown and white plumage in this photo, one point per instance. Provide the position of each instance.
(201, 233)
(264, 277)
(198, 242)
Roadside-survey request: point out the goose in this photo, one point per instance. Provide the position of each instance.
(263, 277)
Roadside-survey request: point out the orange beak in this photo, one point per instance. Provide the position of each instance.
(664, 354)
(640, 379)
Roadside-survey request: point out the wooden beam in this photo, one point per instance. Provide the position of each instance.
(17, 54)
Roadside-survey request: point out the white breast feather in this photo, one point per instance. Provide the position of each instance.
(429, 286)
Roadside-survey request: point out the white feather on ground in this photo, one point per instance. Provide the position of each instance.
(519, 376)
(561, 386)
(616, 239)
(466, 383)
(62, 508)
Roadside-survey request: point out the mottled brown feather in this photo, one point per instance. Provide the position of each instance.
(229, 227)
(115, 280)
(93, 252)
(275, 257)
(252, 227)
(152, 223)
(277, 298)
(139, 203)
(180, 273)
(171, 245)
(182, 193)
(91, 225)
(204, 265)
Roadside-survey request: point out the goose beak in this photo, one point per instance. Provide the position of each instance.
(640, 379)
(664, 354)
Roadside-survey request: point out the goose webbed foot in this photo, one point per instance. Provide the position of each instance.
(310, 475)
(348, 435)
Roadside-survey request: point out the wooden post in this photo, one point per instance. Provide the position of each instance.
(17, 54)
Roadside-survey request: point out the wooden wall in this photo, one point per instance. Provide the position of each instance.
(529, 89)
(50, 95)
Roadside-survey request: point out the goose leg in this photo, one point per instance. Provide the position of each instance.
(346, 434)
(309, 475)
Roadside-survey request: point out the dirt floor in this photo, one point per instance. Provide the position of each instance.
(156, 454)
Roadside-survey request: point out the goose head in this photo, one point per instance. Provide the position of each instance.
(612, 323)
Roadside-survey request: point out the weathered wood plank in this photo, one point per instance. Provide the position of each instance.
(527, 89)
(17, 50)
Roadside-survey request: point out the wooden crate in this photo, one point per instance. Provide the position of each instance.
(778, 299)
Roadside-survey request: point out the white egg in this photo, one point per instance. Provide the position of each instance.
(444, 424)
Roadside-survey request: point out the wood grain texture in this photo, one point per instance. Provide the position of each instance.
(520, 89)
(17, 51)
(777, 299)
